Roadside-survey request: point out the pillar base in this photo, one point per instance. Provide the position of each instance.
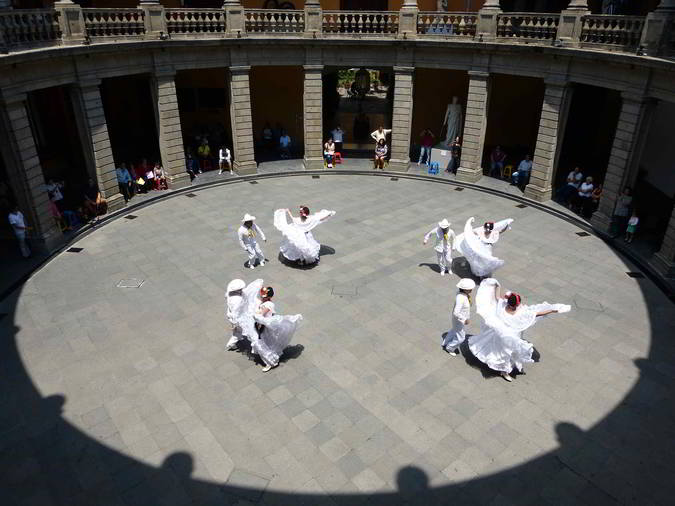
(311, 163)
(178, 181)
(245, 168)
(538, 194)
(601, 222)
(399, 165)
(469, 175)
(115, 202)
(663, 265)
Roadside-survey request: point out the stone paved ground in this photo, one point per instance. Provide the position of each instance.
(126, 396)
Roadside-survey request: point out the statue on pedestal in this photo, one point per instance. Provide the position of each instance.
(453, 120)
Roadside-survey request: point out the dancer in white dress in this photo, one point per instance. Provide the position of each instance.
(476, 245)
(500, 344)
(276, 332)
(233, 301)
(247, 240)
(242, 314)
(445, 238)
(298, 243)
(460, 317)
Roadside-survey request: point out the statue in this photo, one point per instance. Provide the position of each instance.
(453, 119)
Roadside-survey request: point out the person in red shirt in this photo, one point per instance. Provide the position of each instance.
(427, 141)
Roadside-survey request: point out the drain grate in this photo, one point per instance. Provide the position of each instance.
(345, 290)
(637, 275)
(459, 189)
(131, 217)
(253, 182)
(191, 195)
(393, 179)
(521, 206)
(130, 283)
(583, 234)
(74, 250)
(316, 177)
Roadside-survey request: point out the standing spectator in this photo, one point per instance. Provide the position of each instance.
(16, 221)
(124, 182)
(55, 193)
(204, 154)
(94, 203)
(456, 150)
(632, 227)
(522, 175)
(583, 201)
(497, 159)
(574, 179)
(191, 166)
(426, 142)
(380, 134)
(224, 159)
(338, 137)
(160, 177)
(380, 154)
(329, 152)
(622, 211)
(268, 137)
(285, 145)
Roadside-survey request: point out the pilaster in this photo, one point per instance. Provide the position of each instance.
(551, 128)
(486, 25)
(312, 18)
(470, 169)
(71, 22)
(154, 18)
(657, 32)
(623, 150)
(242, 119)
(169, 128)
(664, 259)
(312, 100)
(234, 17)
(569, 26)
(401, 119)
(93, 129)
(407, 21)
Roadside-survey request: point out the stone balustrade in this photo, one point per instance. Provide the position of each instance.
(113, 22)
(274, 21)
(28, 28)
(360, 22)
(530, 26)
(457, 24)
(613, 31)
(195, 21)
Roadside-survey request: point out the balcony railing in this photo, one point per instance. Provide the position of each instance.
(523, 25)
(361, 22)
(22, 29)
(195, 21)
(113, 22)
(617, 31)
(458, 24)
(27, 29)
(274, 21)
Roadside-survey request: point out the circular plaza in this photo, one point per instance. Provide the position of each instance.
(119, 389)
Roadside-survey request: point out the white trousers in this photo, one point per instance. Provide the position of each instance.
(455, 336)
(443, 261)
(236, 337)
(254, 252)
(21, 237)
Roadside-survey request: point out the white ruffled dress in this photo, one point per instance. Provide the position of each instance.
(477, 249)
(499, 344)
(298, 243)
(275, 336)
(242, 314)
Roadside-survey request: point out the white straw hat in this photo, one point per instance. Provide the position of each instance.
(248, 217)
(444, 224)
(235, 284)
(466, 284)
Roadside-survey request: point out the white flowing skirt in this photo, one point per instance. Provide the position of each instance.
(501, 351)
(296, 244)
(275, 337)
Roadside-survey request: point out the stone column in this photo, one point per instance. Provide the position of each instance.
(312, 114)
(93, 129)
(621, 157)
(313, 24)
(475, 123)
(169, 131)
(24, 161)
(486, 26)
(154, 18)
(551, 130)
(402, 119)
(569, 27)
(242, 120)
(234, 17)
(407, 22)
(658, 27)
(664, 259)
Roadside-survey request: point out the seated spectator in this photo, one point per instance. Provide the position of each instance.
(268, 136)
(497, 160)
(55, 193)
(160, 177)
(124, 182)
(191, 166)
(522, 175)
(94, 204)
(285, 145)
(139, 180)
(632, 226)
(204, 155)
(150, 178)
(565, 193)
(225, 159)
(595, 198)
(380, 154)
(329, 152)
(583, 199)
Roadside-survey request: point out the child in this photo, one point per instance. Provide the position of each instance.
(632, 225)
(460, 317)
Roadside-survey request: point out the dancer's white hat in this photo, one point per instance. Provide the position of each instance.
(444, 224)
(248, 217)
(235, 284)
(466, 284)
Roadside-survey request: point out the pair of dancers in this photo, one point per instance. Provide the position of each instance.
(253, 317)
(298, 243)
(499, 344)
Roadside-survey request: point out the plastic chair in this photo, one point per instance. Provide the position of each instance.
(337, 157)
(507, 171)
(434, 168)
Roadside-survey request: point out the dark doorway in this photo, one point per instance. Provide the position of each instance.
(364, 5)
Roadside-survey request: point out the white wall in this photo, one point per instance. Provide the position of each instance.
(658, 157)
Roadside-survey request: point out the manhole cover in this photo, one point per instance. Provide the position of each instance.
(191, 195)
(316, 177)
(637, 275)
(583, 234)
(74, 250)
(345, 290)
(393, 179)
(521, 206)
(253, 182)
(131, 216)
(130, 283)
(459, 189)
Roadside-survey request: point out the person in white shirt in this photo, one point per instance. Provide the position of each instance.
(632, 227)
(224, 159)
(380, 133)
(583, 199)
(19, 225)
(338, 137)
(445, 239)
(329, 152)
(460, 317)
(522, 175)
(574, 179)
(285, 145)
(247, 239)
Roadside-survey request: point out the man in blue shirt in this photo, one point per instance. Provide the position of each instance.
(124, 181)
(522, 175)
